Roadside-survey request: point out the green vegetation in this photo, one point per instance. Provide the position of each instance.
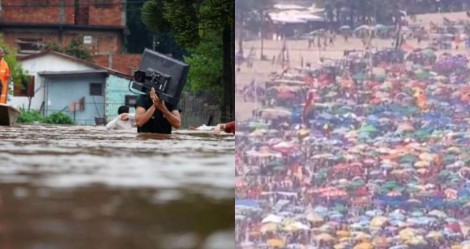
(36, 116)
(18, 74)
(204, 29)
(75, 49)
(31, 117)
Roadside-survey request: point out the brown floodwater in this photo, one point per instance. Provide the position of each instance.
(67, 187)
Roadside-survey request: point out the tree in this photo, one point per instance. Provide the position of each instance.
(205, 29)
(17, 73)
(139, 37)
(78, 50)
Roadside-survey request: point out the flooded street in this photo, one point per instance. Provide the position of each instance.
(86, 187)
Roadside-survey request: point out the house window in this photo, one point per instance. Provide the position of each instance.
(29, 45)
(96, 89)
(130, 100)
(26, 89)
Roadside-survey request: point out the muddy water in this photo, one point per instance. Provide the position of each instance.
(84, 187)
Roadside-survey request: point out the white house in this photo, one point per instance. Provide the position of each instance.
(49, 61)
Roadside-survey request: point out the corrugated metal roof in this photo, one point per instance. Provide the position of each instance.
(71, 73)
(88, 63)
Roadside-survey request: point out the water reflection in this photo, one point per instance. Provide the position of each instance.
(75, 187)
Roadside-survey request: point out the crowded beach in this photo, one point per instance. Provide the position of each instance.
(357, 144)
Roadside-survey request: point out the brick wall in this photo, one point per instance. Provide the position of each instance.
(103, 42)
(124, 63)
(37, 11)
(107, 14)
(110, 13)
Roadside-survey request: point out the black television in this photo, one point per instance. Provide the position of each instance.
(167, 75)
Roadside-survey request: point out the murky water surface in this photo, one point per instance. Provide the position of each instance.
(86, 187)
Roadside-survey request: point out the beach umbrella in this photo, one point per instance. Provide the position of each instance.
(342, 245)
(276, 243)
(434, 235)
(272, 219)
(343, 233)
(407, 233)
(362, 236)
(275, 113)
(438, 213)
(373, 213)
(320, 210)
(378, 221)
(364, 245)
(324, 237)
(270, 227)
(421, 164)
(314, 218)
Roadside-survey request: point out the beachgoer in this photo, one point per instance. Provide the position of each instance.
(124, 120)
(227, 127)
(4, 77)
(154, 115)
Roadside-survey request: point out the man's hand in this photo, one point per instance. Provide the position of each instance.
(158, 103)
(124, 116)
(218, 128)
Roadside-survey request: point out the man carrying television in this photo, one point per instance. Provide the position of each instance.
(153, 115)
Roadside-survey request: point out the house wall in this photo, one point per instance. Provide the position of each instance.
(38, 11)
(116, 90)
(43, 63)
(124, 63)
(63, 11)
(61, 91)
(103, 42)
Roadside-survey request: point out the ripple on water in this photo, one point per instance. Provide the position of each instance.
(60, 183)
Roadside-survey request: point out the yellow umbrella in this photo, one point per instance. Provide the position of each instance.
(340, 245)
(315, 218)
(378, 221)
(276, 243)
(422, 163)
(362, 236)
(324, 237)
(380, 241)
(407, 233)
(343, 233)
(269, 227)
(434, 235)
(459, 247)
(426, 156)
(364, 245)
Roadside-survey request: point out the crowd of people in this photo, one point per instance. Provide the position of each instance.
(359, 153)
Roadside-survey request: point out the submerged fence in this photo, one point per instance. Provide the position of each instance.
(195, 112)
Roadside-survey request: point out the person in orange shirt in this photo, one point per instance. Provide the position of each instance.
(4, 78)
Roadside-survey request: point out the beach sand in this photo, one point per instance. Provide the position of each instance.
(299, 52)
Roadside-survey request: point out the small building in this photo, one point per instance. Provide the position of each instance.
(89, 93)
(28, 25)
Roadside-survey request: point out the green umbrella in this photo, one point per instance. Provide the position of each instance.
(392, 185)
(368, 129)
(407, 159)
(422, 133)
(359, 76)
(279, 168)
(257, 125)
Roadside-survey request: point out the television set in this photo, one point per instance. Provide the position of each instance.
(167, 75)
